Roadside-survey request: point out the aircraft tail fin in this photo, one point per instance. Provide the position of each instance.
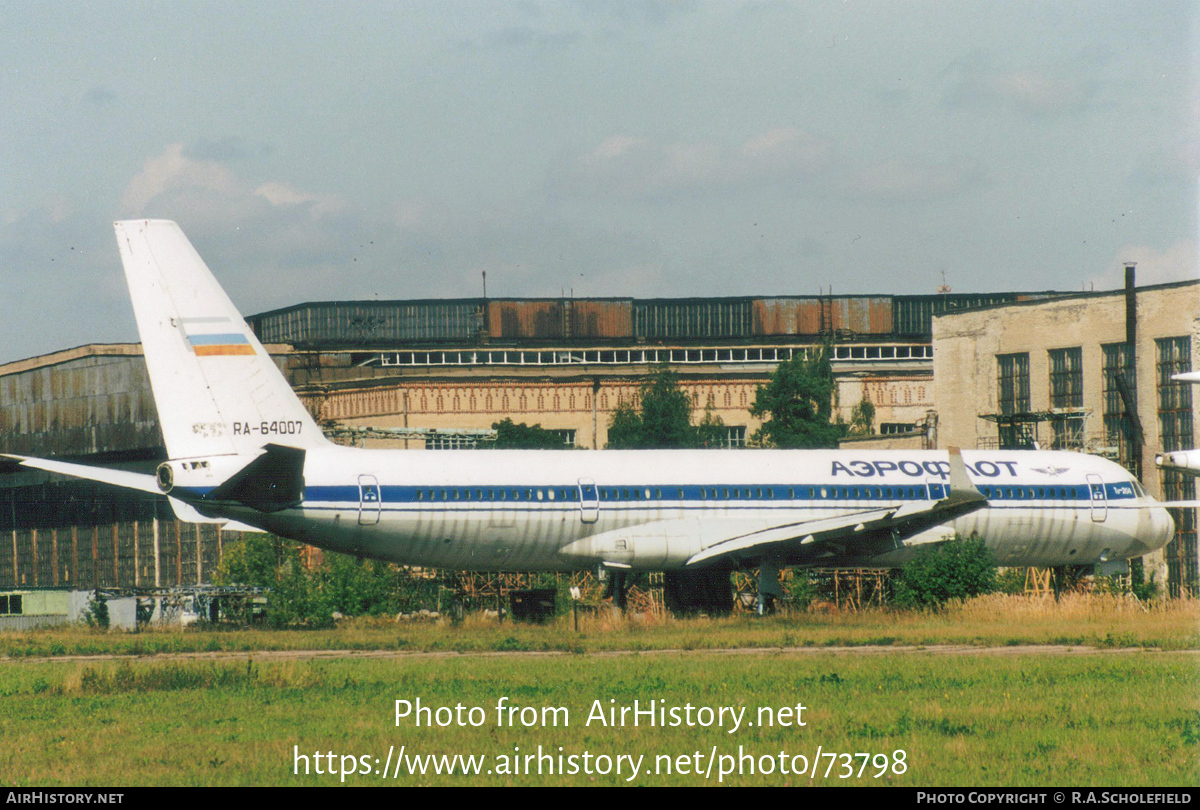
(217, 390)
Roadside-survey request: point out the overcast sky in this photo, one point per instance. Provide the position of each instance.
(396, 150)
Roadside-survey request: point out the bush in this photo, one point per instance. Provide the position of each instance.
(799, 588)
(1011, 581)
(955, 570)
(96, 614)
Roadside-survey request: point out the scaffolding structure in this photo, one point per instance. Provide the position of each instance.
(489, 590)
(852, 588)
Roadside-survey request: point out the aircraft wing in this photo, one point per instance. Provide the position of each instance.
(865, 533)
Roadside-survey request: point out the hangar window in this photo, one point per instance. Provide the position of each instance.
(1119, 372)
(1013, 398)
(1066, 392)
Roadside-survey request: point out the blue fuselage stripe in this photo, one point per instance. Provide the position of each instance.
(757, 496)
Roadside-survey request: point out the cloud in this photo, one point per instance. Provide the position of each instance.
(628, 167)
(177, 185)
(282, 194)
(100, 96)
(173, 171)
(1176, 163)
(1179, 262)
(226, 149)
(1031, 91)
(912, 180)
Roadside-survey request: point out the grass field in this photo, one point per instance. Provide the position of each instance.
(1015, 720)
(1079, 620)
(1126, 715)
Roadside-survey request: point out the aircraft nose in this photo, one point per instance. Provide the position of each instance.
(1162, 527)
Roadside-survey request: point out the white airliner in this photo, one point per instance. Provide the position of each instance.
(244, 451)
(1187, 461)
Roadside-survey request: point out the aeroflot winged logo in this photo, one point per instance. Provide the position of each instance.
(205, 341)
(1051, 470)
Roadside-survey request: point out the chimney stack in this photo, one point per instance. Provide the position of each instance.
(1130, 306)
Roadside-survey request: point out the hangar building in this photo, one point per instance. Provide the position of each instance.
(437, 374)
(1089, 372)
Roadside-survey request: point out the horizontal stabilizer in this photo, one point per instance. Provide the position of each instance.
(190, 514)
(118, 478)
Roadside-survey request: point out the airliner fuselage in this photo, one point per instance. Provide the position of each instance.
(656, 510)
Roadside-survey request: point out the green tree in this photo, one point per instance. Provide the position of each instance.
(297, 598)
(958, 569)
(520, 436)
(662, 418)
(710, 433)
(862, 418)
(797, 404)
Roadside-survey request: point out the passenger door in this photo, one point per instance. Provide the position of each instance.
(589, 501)
(370, 500)
(1099, 498)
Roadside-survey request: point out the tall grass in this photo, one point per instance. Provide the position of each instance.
(1096, 620)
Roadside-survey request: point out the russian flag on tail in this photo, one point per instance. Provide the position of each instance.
(220, 345)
